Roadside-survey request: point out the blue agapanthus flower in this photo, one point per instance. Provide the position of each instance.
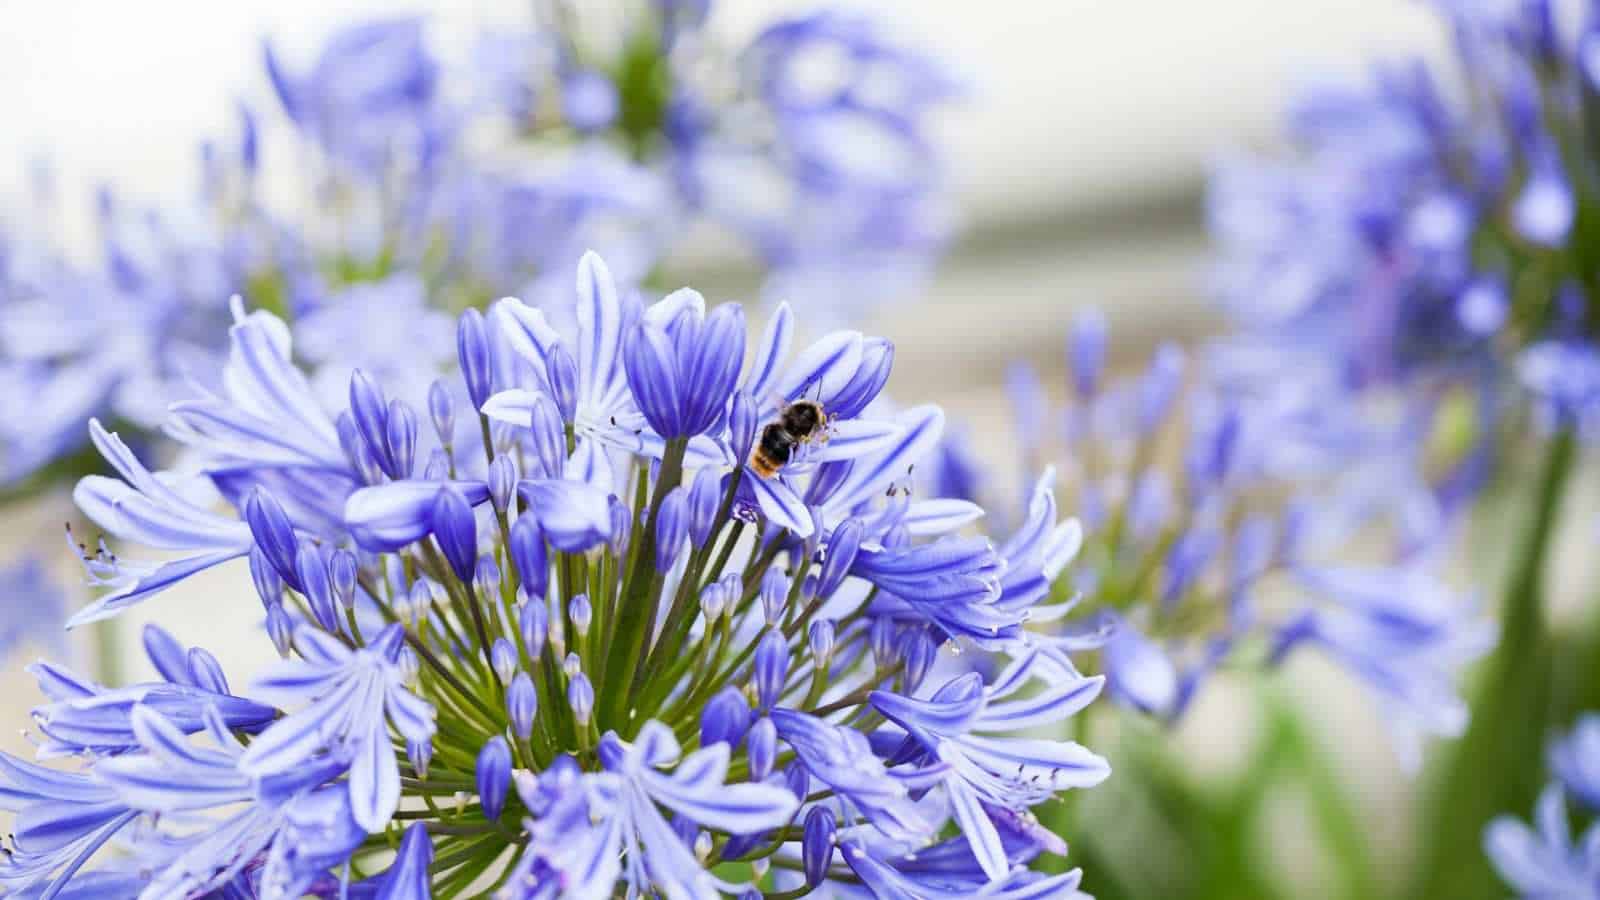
(35, 604)
(1220, 524)
(595, 650)
(1428, 231)
(1548, 860)
(432, 181)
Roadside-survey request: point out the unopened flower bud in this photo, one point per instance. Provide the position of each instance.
(582, 615)
(771, 667)
(672, 528)
(820, 638)
(842, 549)
(488, 576)
(530, 555)
(533, 624)
(580, 696)
(503, 657)
(420, 754)
(400, 435)
(762, 747)
(280, 628)
(494, 776)
(816, 847)
(502, 481)
(705, 497)
(472, 350)
(443, 412)
(342, 574)
(713, 602)
(725, 718)
(774, 594)
(408, 664)
(522, 704)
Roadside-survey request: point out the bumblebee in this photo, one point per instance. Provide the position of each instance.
(801, 422)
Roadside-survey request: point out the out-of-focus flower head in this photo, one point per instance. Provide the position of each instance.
(1429, 229)
(643, 643)
(1222, 528)
(1548, 860)
(812, 145)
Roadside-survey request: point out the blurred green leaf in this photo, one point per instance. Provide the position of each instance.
(1495, 767)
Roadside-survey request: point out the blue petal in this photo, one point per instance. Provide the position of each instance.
(407, 878)
(600, 321)
(762, 378)
(389, 516)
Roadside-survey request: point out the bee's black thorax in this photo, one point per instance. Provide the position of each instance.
(801, 419)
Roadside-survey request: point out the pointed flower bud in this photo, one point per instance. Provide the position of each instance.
(370, 409)
(503, 657)
(522, 704)
(725, 718)
(843, 545)
(762, 748)
(438, 467)
(529, 555)
(420, 755)
(205, 672)
(494, 776)
(487, 575)
(401, 438)
(342, 576)
(919, 650)
(771, 667)
(502, 481)
(533, 622)
(580, 696)
(456, 530)
(704, 498)
(281, 629)
(820, 639)
(317, 588)
(1086, 352)
(442, 410)
(816, 847)
(713, 601)
(774, 594)
(410, 667)
(166, 654)
(269, 585)
(273, 534)
(472, 350)
(582, 615)
(672, 528)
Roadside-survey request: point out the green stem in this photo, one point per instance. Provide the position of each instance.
(107, 652)
(1493, 769)
(636, 610)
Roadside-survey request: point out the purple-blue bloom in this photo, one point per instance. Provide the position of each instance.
(673, 655)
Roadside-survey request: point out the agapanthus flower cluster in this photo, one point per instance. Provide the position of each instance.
(592, 651)
(1433, 227)
(811, 145)
(1223, 532)
(417, 183)
(1548, 860)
